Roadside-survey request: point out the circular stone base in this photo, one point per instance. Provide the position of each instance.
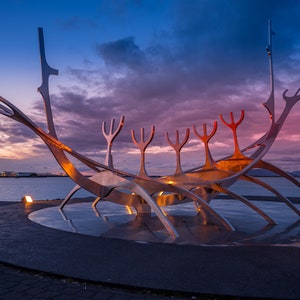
(116, 221)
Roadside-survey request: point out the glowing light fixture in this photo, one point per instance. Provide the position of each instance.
(27, 199)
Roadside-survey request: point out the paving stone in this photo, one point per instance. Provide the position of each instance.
(9, 284)
(34, 291)
(13, 296)
(29, 281)
(26, 285)
(103, 295)
(58, 287)
(42, 285)
(4, 291)
(120, 297)
(21, 288)
(49, 295)
(68, 291)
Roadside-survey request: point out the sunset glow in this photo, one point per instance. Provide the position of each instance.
(172, 64)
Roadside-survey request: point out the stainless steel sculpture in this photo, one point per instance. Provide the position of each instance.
(199, 185)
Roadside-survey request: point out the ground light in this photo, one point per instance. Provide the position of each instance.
(27, 199)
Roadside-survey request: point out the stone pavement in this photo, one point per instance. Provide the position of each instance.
(18, 283)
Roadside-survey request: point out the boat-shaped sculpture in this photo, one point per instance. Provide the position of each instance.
(149, 194)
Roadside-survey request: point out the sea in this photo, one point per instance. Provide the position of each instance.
(49, 188)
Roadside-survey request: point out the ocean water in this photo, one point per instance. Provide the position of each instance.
(48, 188)
(40, 188)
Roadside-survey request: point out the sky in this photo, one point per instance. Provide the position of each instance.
(168, 63)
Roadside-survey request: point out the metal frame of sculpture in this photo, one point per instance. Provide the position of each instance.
(199, 185)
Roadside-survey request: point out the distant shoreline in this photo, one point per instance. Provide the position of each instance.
(154, 176)
(33, 176)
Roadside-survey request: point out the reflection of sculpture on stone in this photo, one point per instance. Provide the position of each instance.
(199, 185)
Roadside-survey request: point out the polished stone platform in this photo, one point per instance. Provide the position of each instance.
(116, 221)
(240, 269)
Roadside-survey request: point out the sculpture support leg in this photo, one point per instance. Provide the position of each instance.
(246, 202)
(271, 189)
(68, 197)
(267, 166)
(202, 203)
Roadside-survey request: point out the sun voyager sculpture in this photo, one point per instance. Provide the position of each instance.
(148, 194)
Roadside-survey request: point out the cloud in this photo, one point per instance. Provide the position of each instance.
(123, 52)
(12, 132)
(209, 59)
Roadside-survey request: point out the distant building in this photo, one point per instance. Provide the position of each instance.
(26, 174)
(8, 174)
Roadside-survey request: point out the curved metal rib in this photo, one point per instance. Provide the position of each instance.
(274, 191)
(208, 208)
(202, 203)
(246, 202)
(112, 181)
(267, 166)
(68, 197)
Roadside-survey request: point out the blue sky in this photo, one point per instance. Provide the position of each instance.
(171, 64)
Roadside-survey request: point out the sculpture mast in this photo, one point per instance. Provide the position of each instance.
(270, 103)
(44, 88)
